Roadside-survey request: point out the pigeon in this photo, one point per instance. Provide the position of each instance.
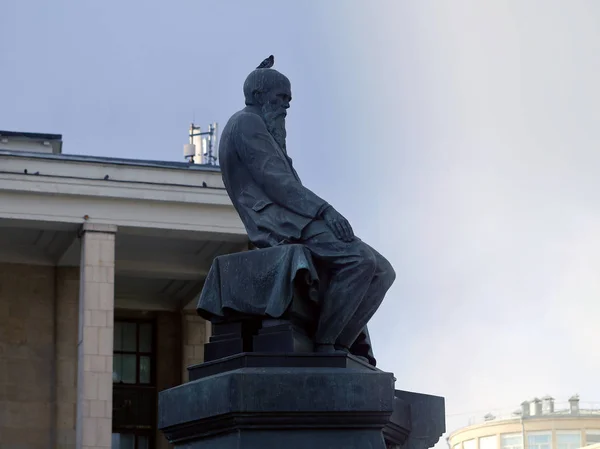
(267, 63)
(106, 177)
(204, 184)
(25, 171)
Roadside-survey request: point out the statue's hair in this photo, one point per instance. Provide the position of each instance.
(262, 80)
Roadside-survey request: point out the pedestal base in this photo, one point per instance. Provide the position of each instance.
(280, 407)
(292, 439)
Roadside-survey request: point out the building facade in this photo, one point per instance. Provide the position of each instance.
(538, 424)
(101, 260)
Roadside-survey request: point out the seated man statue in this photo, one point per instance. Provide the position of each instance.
(277, 209)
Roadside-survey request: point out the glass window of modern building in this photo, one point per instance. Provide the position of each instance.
(568, 440)
(512, 441)
(592, 437)
(490, 442)
(536, 424)
(539, 440)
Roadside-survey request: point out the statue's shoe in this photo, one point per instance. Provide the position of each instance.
(348, 351)
(325, 348)
(337, 349)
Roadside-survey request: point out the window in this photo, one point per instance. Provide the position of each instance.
(539, 440)
(568, 440)
(134, 392)
(129, 441)
(457, 446)
(132, 362)
(512, 441)
(592, 437)
(470, 444)
(490, 442)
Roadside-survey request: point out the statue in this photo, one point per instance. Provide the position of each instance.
(311, 286)
(277, 209)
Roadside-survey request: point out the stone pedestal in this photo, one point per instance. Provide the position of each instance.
(270, 401)
(261, 386)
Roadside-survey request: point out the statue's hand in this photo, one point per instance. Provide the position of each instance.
(338, 224)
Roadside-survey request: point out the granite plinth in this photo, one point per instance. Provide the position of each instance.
(276, 360)
(321, 407)
(427, 418)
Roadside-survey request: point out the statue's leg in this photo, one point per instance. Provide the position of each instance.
(382, 280)
(362, 347)
(351, 267)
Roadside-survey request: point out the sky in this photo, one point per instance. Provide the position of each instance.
(460, 138)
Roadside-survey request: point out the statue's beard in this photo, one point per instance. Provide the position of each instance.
(274, 118)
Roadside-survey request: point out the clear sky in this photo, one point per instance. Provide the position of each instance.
(460, 138)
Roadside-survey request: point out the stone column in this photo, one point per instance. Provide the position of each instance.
(95, 343)
(193, 338)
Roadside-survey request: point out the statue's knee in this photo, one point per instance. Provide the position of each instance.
(383, 270)
(391, 274)
(368, 261)
(388, 272)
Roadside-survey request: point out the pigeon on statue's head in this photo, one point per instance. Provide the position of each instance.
(267, 63)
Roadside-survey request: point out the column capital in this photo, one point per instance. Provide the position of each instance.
(97, 227)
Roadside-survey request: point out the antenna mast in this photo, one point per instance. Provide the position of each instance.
(202, 148)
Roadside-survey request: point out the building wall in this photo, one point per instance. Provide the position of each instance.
(194, 336)
(13, 144)
(26, 356)
(168, 358)
(529, 425)
(67, 321)
(39, 311)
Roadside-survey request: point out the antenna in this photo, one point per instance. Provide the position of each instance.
(202, 146)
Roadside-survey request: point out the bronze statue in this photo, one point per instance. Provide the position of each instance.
(277, 209)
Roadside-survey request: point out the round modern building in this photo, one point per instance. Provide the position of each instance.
(538, 424)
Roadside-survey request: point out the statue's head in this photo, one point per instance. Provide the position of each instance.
(269, 91)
